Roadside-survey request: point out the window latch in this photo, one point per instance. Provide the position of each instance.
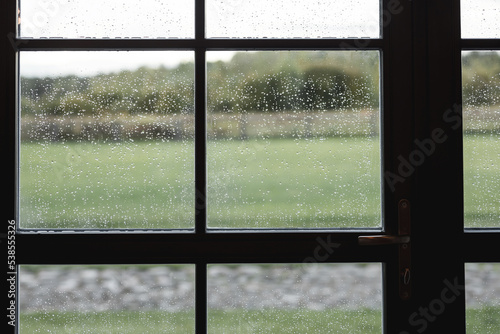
(403, 240)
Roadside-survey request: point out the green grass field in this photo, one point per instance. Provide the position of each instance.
(275, 183)
(107, 185)
(482, 180)
(479, 321)
(119, 322)
(333, 182)
(219, 322)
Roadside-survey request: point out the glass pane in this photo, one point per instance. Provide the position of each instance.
(107, 19)
(106, 299)
(481, 121)
(295, 298)
(107, 140)
(480, 18)
(293, 19)
(482, 286)
(293, 139)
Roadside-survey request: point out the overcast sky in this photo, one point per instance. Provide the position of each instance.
(175, 19)
(85, 63)
(225, 18)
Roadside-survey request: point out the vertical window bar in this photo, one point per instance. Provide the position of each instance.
(200, 162)
(8, 100)
(200, 291)
(200, 119)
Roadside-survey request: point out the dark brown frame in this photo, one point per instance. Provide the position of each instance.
(421, 64)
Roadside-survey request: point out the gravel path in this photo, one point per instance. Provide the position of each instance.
(171, 288)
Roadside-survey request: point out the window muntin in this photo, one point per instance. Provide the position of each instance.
(293, 19)
(79, 19)
(293, 140)
(107, 148)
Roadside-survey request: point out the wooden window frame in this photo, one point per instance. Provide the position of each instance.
(420, 68)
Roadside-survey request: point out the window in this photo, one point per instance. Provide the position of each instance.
(283, 159)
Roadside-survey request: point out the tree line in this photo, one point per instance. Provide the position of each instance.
(251, 81)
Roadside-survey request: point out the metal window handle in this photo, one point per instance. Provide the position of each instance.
(403, 236)
(403, 240)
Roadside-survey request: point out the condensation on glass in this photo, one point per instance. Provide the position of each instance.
(482, 288)
(295, 298)
(106, 139)
(106, 299)
(293, 19)
(480, 18)
(293, 139)
(481, 137)
(106, 19)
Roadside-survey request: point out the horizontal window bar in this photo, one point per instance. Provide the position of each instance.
(299, 43)
(146, 44)
(474, 44)
(193, 248)
(481, 245)
(494, 230)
